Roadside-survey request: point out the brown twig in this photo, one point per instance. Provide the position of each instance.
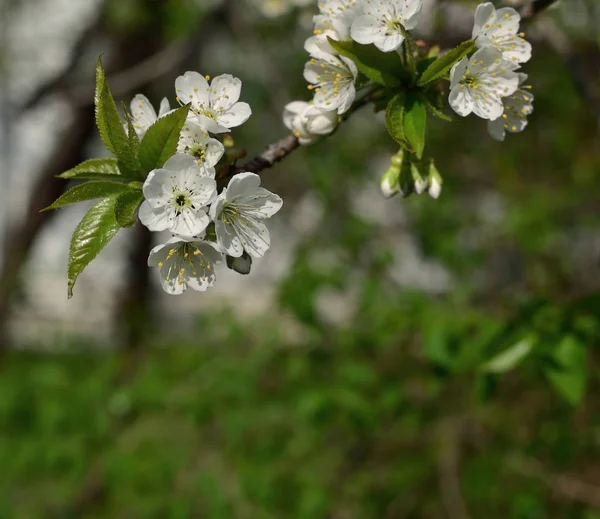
(272, 155)
(448, 469)
(534, 7)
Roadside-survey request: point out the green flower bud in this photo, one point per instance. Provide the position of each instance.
(390, 180)
(241, 265)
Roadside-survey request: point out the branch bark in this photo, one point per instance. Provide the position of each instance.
(534, 7)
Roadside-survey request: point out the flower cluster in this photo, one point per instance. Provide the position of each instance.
(333, 77)
(182, 197)
(487, 83)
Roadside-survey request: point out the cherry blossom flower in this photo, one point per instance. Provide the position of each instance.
(144, 115)
(500, 28)
(332, 79)
(307, 122)
(239, 212)
(516, 109)
(177, 196)
(215, 107)
(338, 16)
(184, 263)
(384, 22)
(195, 141)
(478, 83)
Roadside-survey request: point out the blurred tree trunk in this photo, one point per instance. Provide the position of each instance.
(129, 50)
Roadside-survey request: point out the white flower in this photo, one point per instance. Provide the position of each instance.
(238, 213)
(384, 21)
(333, 79)
(185, 264)
(196, 142)
(308, 122)
(144, 115)
(516, 109)
(501, 29)
(338, 15)
(176, 197)
(478, 83)
(435, 186)
(216, 107)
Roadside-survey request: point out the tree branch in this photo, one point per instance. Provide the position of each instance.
(274, 153)
(534, 7)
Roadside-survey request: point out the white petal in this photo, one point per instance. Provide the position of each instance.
(255, 239)
(237, 115)
(228, 239)
(488, 107)
(458, 71)
(366, 29)
(192, 87)
(461, 101)
(484, 59)
(411, 10)
(265, 203)
(178, 162)
(496, 129)
(482, 14)
(205, 189)
(143, 113)
(217, 206)
(156, 219)
(214, 152)
(210, 125)
(201, 275)
(242, 184)
(165, 107)
(190, 223)
(388, 43)
(157, 188)
(291, 111)
(225, 91)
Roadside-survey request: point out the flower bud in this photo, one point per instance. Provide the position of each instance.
(420, 183)
(435, 181)
(390, 180)
(241, 265)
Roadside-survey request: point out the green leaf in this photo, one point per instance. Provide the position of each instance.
(95, 230)
(438, 113)
(394, 119)
(160, 141)
(509, 358)
(133, 141)
(415, 123)
(126, 206)
(423, 64)
(110, 125)
(568, 375)
(88, 191)
(385, 68)
(95, 169)
(444, 63)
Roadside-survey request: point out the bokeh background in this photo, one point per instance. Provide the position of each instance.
(349, 376)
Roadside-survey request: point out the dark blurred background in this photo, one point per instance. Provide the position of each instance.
(349, 376)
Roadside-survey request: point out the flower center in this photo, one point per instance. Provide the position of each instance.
(393, 26)
(332, 79)
(197, 151)
(230, 212)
